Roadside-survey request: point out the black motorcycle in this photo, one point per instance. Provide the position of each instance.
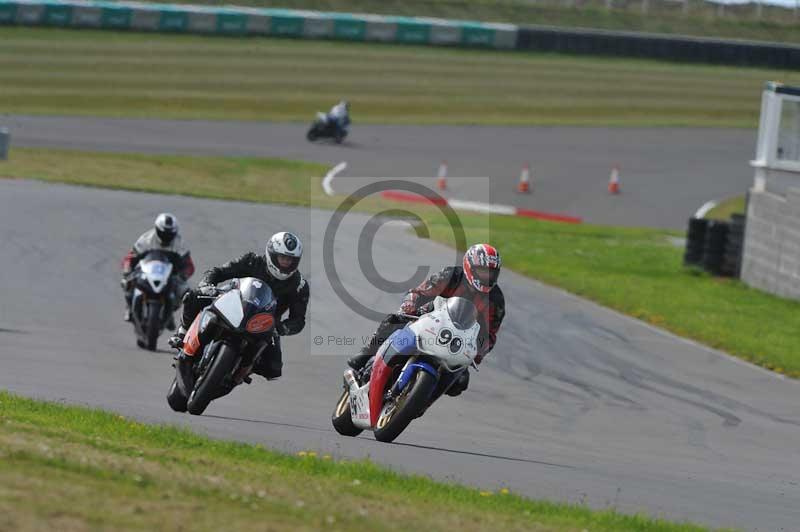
(223, 344)
(326, 128)
(152, 300)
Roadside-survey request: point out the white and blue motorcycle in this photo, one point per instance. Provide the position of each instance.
(410, 371)
(153, 296)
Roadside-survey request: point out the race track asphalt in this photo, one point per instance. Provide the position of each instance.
(666, 173)
(576, 403)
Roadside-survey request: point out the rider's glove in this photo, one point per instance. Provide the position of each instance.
(208, 290)
(424, 309)
(408, 307)
(281, 329)
(228, 285)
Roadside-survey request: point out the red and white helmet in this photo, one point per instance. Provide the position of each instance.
(482, 267)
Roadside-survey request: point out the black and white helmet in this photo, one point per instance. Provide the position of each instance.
(166, 228)
(283, 245)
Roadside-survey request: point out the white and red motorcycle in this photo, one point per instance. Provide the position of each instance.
(411, 370)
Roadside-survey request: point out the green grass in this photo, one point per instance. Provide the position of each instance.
(726, 208)
(703, 19)
(72, 468)
(639, 272)
(232, 178)
(636, 271)
(51, 71)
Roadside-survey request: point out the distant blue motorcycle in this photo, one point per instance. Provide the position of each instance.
(325, 127)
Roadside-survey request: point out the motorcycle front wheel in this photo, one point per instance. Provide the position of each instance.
(412, 401)
(153, 325)
(209, 383)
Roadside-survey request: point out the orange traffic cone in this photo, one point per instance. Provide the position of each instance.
(613, 181)
(524, 185)
(441, 182)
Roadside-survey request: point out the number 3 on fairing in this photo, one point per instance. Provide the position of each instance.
(445, 335)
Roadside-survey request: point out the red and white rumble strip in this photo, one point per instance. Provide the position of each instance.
(476, 206)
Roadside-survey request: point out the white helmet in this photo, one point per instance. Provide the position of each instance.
(166, 228)
(286, 245)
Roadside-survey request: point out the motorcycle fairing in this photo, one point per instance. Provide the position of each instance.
(438, 336)
(157, 273)
(191, 342)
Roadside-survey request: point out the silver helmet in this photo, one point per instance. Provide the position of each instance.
(166, 228)
(284, 246)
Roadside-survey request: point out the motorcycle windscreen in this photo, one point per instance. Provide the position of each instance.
(462, 312)
(229, 307)
(256, 296)
(258, 305)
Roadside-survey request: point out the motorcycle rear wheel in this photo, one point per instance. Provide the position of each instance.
(210, 383)
(342, 419)
(177, 401)
(409, 406)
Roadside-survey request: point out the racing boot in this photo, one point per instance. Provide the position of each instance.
(170, 324)
(460, 385)
(127, 315)
(269, 366)
(176, 340)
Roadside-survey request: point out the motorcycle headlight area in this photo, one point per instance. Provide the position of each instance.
(260, 323)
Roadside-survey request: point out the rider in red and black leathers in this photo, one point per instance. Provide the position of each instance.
(290, 289)
(452, 281)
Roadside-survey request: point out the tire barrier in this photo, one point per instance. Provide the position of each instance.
(653, 46)
(695, 242)
(241, 21)
(734, 245)
(715, 246)
(714, 249)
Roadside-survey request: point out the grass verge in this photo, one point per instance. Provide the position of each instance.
(72, 468)
(726, 208)
(639, 272)
(231, 178)
(54, 71)
(635, 271)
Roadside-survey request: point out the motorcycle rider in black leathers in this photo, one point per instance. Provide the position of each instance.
(475, 280)
(278, 268)
(164, 236)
